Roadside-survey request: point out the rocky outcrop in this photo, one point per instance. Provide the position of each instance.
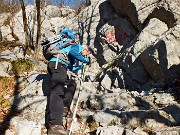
(131, 31)
(54, 11)
(52, 17)
(163, 56)
(139, 11)
(149, 24)
(117, 31)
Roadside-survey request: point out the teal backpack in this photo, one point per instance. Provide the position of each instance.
(51, 47)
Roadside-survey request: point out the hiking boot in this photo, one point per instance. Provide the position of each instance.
(47, 125)
(57, 130)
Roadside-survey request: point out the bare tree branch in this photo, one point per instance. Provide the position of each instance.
(25, 25)
(37, 47)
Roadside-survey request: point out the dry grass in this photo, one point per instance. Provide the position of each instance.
(8, 45)
(6, 86)
(9, 7)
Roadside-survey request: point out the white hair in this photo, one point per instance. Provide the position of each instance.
(85, 47)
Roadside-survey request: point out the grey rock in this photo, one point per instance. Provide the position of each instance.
(8, 132)
(2, 73)
(52, 11)
(152, 118)
(84, 114)
(113, 101)
(8, 55)
(110, 130)
(40, 66)
(168, 131)
(101, 117)
(140, 131)
(28, 128)
(19, 51)
(129, 132)
(87, 89)
(24, 127)
(106, 82)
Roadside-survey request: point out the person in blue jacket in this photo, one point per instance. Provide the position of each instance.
(59, 78)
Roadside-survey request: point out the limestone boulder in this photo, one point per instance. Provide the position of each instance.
(162, 59)
(139, 11)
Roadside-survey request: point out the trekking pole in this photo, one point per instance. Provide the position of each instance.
(76, 107)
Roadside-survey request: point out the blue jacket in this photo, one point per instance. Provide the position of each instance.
(74, 55)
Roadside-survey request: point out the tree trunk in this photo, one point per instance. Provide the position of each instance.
(25, 25)
(88, 2)
(12, 29)
(34, 22)
(37, 47)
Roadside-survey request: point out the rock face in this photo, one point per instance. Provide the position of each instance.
(146, 33)
(138, 11)
(150, 46)
(155, 46)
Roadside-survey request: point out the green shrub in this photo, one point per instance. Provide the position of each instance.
(22, 65)
(112, 123)
(4, 102)
(92, 126)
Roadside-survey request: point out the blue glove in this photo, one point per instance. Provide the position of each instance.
(75, 68)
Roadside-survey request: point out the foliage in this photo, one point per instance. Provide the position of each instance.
(112, 123)
(22, 65)
(92, 126)
(4, 102)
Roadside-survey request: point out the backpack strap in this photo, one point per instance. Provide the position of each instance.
(70, 43)
(61, 55)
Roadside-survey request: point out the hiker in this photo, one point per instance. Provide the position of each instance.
(59, 79)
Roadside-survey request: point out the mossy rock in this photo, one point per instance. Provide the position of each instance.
(112, 123)
(20, 66)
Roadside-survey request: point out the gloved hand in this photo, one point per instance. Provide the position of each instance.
(81, 66)
(75, 68)
(44, 41)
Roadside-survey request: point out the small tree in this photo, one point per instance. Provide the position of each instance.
(25, 26)
(37, 47)
(33, 27)
(88, 2)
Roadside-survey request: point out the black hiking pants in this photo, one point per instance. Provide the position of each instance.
(60, 96)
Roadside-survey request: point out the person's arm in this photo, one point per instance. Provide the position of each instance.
(76, 53)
